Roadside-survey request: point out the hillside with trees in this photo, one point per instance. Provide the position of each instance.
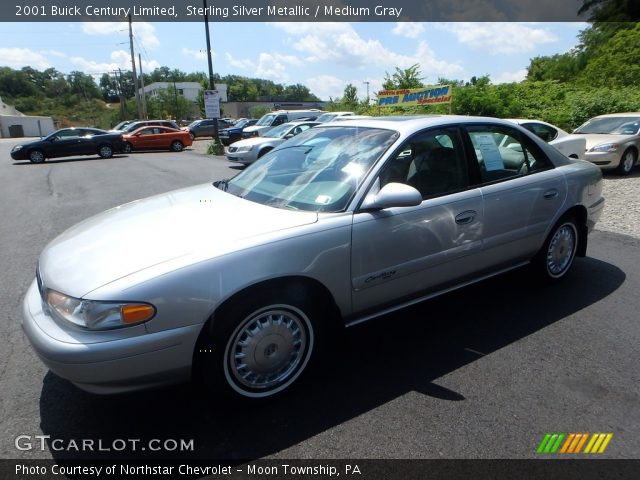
(76, 98)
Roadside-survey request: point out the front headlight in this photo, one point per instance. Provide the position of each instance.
(16, 148)
(245, 148)
(96, 315)
(605, 147)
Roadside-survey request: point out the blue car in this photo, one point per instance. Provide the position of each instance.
(233, 134)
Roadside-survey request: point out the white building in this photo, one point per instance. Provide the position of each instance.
(188, 90)
(16, 124)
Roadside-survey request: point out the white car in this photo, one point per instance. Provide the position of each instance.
(572, 146)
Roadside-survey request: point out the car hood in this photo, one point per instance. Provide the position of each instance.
(594, 139)
(148, 232)
(254, 141)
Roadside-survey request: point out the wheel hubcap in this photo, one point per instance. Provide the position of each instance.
(105, 151)
(561, 250)
(268, 349)
(628, 162)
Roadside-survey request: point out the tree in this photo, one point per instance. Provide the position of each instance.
(403, 78)
(617, 62)
(611, 10)
(350, 97)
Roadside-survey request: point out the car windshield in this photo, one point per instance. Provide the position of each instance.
(279, 131)
(240, 123)
(326, 117)
(318, 170)
(265, 120)
(611, 125)
(121, 125)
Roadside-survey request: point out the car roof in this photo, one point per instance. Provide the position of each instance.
(626, 114)
(411, 123)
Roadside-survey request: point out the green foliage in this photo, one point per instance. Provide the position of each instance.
(215, 148)
(258, 111)
(350, 98)
(403, 78)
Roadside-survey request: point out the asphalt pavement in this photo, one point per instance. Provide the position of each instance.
(484, 372)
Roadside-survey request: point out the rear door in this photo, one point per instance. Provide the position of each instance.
(521, 190)
(399, 253)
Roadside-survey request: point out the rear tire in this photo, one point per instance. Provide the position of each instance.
(555, 258)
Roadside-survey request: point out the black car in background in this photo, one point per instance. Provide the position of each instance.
(205, 127)
(70, 142)
(233, 134)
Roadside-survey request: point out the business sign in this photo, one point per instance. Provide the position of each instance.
(212, 103)
(415, 96)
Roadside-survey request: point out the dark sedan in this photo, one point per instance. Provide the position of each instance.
(70, 142)
(233, 134)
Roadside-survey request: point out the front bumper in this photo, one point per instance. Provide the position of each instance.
(242, 157)
(604, 160)
(118, 363)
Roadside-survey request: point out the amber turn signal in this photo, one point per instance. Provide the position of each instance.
(136, 313)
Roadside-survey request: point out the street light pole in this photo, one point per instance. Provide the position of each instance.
(210, 60)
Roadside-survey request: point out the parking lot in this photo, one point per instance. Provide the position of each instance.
(483, 372)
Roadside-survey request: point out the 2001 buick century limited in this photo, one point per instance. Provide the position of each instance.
(341, 223)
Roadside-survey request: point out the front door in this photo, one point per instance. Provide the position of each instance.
(406, 251)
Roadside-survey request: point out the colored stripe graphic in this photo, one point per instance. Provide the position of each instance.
(573, 443)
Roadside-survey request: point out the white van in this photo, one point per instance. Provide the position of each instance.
(279, 117)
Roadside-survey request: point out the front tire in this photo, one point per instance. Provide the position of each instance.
(105, 151)
(36, 156)
(627, 162)
(259, 346)
(127, 148)
(556, 257)
(176, 146)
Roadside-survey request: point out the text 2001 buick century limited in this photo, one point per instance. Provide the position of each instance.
(341, 223)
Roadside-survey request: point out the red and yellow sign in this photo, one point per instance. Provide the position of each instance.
(415, 96)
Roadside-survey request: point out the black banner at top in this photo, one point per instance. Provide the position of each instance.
(294, 10)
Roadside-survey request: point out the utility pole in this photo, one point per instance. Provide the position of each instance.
(133, 68)
(123, 100)
(144, 95)
(211, 85)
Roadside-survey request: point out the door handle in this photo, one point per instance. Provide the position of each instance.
(466, 217)
(549, 194)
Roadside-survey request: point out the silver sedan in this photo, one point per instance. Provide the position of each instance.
(238, 284)
(250, 149)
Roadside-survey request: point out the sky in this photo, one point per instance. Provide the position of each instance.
(323, 56)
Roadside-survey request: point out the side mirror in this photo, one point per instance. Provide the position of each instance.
(289, 135)
(392, 195)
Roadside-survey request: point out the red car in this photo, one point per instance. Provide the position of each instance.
(156, 138)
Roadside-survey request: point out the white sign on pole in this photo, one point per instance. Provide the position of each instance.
(212, 103)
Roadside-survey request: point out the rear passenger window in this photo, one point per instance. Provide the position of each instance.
(502, 153)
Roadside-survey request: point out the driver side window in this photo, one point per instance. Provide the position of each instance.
(432, 162)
